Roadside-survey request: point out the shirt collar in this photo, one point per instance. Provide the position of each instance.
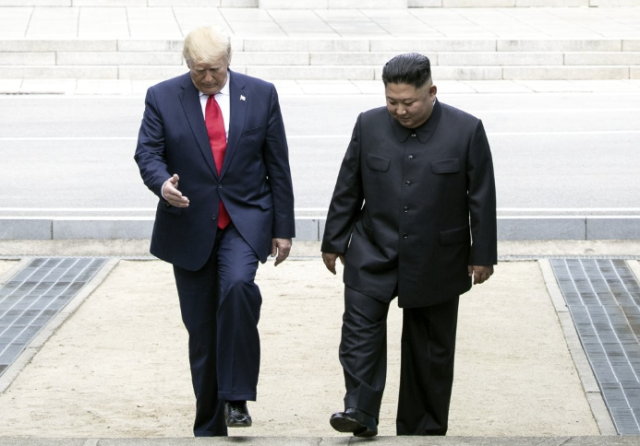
(423, 132)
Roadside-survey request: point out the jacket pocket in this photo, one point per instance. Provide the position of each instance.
(378, 163)
(263, 203)
(451, 165)
(455, 236)
(253, 131)
(165, 207)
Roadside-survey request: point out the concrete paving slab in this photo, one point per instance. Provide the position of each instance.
(117, 367)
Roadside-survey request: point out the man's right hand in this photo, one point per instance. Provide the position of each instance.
(329, 259)
(171, 193)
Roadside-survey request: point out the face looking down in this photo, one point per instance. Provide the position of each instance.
(409, 105)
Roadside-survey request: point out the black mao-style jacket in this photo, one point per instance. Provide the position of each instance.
(412, 208)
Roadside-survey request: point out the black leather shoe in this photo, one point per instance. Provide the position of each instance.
(236, 414)
(355, 421)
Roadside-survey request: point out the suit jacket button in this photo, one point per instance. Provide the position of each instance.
(407, 183)
(405, 235)
(410, 157)
(214, 217)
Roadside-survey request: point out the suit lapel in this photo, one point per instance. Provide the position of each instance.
(238, 99)
(190, 99)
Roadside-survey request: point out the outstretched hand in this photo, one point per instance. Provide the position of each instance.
(171, 193)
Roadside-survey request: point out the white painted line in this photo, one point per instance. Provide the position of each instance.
(131, 138)
(71, 138)
(568, 209)
(554, 210)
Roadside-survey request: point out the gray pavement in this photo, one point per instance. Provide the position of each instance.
(563, 161)
(331, 441)
(563, 148)
(86, 327)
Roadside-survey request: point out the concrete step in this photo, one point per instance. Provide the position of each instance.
(341, 72)
(324, 59)
(327, 4)
(133, 3)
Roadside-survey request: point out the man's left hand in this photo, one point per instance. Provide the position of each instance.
(480, 274)
(281, 247)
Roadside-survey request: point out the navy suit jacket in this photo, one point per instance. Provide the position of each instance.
(254, 183)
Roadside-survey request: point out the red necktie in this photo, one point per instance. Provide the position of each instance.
(218, 140)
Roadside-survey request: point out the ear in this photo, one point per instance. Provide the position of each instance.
(433, 90)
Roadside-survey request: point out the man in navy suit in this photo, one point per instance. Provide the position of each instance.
(212, 147)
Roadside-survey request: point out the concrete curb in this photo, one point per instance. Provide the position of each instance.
(329, 441)
(613, 227)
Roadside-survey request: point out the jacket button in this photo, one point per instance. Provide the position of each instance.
(214, 217)
(407, 183)
(406, 209)
(405, 235)
(410, 157)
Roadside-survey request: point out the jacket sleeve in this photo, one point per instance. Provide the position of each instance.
(482, 200)
(150, 151)
(276, 154)
(347, 200)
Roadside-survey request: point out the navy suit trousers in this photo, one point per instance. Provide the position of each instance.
(220, 305)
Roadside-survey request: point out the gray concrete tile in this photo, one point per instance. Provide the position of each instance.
(92, 21)
(14, 22)
(149, 23)
(53, 23)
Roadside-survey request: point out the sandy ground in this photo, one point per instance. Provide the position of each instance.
(118, 367)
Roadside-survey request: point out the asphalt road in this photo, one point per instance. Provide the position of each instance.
(70, 155)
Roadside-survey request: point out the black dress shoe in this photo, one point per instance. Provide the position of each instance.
(236, 414)
(355, 421)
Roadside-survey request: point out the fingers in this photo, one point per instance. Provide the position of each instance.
(171, 193)
(329, 260)
(480, 273)
(281, 247)
(283, 253)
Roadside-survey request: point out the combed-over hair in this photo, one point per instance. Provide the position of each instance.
(206, 45)
(409, 68)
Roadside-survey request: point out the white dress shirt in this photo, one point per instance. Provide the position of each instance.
(224, 101)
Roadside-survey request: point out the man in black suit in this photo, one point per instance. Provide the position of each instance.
(212, 147)
(413, 215)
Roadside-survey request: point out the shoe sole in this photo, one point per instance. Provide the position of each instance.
(237, 425)
(343, 424)
(349, 425)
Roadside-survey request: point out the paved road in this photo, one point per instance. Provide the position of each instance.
(63, 155)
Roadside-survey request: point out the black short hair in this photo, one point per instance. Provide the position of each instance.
(408, 68)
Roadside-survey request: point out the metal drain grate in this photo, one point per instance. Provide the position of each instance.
(603, 296)
(35, 295)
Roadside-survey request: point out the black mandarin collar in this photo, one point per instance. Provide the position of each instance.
(424, 132)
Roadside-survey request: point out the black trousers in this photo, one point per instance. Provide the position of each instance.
(220, 306)
(427, 359)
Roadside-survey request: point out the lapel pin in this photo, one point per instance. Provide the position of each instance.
(242, 98)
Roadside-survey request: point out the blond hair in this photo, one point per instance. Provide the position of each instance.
(206, 45)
